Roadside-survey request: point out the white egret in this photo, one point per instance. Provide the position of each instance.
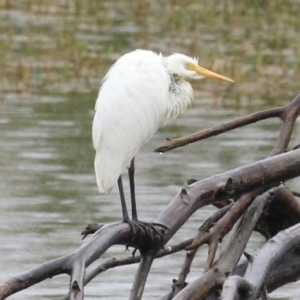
(141, 92)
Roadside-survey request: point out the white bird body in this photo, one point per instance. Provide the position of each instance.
(141, 92)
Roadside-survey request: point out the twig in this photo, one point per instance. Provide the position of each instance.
(221, 228)
(209, 223)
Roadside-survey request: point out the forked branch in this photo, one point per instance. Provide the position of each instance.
(287, 114)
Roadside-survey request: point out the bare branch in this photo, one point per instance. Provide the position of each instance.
(141, 277)
(273, 250)
(87, 253)
(180, 283)
(290, 111)
(229, 255)
(112, 263)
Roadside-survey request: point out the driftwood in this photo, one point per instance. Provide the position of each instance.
(249, 198)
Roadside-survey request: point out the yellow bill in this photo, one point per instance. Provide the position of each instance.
(209, 74)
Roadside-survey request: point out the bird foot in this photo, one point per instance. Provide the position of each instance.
(146, 236)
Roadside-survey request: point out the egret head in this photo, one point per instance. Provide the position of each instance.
(187, 68)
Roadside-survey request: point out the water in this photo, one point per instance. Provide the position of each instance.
(47, 183)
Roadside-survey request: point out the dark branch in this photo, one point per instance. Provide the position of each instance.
(283, 113)
(271, 252)
(230, 254)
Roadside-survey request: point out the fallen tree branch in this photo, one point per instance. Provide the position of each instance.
(272, 251)
(112, 263)
(288, 115)
(284, 113)
(260, 265)
(88, 252)
(223, 226)
(207, 191)
(180, 283)
(231, 251)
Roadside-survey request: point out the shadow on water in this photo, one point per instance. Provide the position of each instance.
(53, 59)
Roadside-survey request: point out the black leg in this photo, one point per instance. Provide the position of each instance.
(122, 197)
(132, 190)
(138, 227)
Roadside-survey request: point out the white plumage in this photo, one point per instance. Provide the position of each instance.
(141, 92)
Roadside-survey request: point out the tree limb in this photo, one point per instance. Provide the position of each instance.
(231, 251)
(272, 251)
(284, 113)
